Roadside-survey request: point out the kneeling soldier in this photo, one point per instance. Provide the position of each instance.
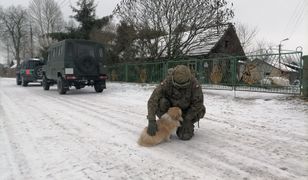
(179, 89)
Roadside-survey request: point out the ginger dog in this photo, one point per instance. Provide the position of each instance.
(165, 125)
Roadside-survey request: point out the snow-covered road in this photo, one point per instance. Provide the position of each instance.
(85, 135)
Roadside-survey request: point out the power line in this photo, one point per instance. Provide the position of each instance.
(296, 19)
(295, 15)
(68, 2)
(63, 2)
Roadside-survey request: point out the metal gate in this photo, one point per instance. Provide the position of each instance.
(274, 73)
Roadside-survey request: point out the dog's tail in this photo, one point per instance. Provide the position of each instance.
(141, 143)
(146, 140)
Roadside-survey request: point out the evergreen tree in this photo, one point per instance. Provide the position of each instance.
(85, 15)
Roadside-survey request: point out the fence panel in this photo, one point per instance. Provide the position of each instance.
(276, 73)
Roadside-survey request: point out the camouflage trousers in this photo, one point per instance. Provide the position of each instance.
(186, 130)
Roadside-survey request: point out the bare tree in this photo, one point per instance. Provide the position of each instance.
(6, 47)
(46, 17)
(70, 24)
(246, 35)
(172, 28)
(14, 27)
(262, 46)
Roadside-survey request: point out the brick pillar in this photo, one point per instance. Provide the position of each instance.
(305, 76)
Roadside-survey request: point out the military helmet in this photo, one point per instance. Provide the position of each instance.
(181, 75)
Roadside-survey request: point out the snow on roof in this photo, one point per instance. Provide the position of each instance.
(204, 41)
(33, 59)
(281, 64)
(206, 46)
(14, 66)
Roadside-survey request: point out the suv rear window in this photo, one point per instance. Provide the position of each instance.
(31, 64)
(85, 50)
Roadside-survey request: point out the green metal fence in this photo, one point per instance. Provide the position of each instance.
(277, 73)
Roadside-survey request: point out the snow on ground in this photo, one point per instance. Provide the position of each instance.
(85, 135)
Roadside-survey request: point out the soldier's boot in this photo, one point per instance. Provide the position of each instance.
(186, 131)
(164, 105)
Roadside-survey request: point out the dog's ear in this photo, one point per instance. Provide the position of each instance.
(176, 116)
(174, 113)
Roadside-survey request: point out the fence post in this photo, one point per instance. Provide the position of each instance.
(165, 69)
(305, 76)
(126, 72)
(233, 73)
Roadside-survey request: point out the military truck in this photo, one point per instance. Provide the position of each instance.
(77, 63)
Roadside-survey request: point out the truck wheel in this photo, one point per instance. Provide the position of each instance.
(38, 72)
(23, 82)
(61, 85)
(98, 88)
(77, 86)
(18, 80)
(45, 83)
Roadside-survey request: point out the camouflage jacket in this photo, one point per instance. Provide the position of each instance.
(189, 99)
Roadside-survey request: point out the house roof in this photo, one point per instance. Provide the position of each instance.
(211, 42)
(207, 46)
(205, 41)
(281, 64)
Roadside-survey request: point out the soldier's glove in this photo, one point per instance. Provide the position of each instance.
(152, 128)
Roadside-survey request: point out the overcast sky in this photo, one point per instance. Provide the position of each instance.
(274, 19)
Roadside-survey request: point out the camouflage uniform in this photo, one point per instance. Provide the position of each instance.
(188, 98)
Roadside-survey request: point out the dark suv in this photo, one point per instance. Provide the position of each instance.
(77, 63)
(30, 70)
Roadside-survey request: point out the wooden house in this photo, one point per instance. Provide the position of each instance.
(220, 52)
(270, 68)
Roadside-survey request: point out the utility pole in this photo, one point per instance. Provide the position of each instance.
(279, 55)
(305, 77)
(279, 52)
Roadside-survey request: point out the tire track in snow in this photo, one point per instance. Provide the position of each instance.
(9, 166)
(111, 115)
(120, 146)
(78, 104)
(270, 147)
(35, 110)
(15, 136)
(84, 107)
(120, 162)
